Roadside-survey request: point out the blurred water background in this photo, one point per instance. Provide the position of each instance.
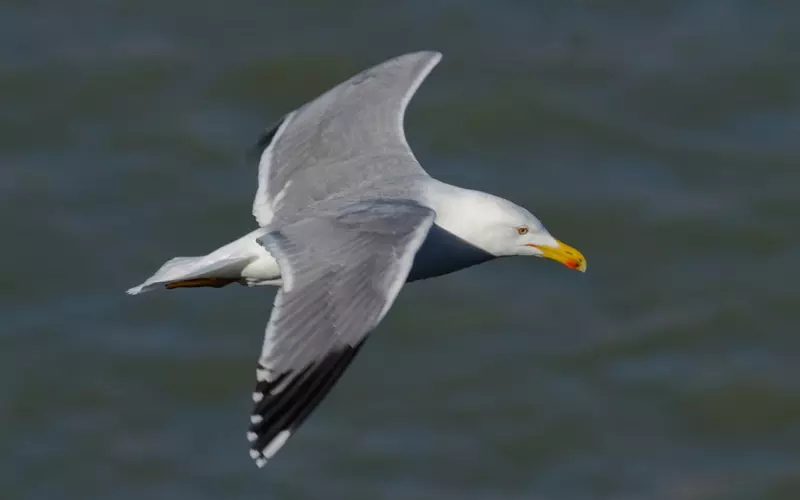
(659, 138)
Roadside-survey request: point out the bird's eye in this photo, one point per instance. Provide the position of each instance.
(522, 230)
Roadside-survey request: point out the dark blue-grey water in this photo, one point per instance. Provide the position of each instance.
(659, 138)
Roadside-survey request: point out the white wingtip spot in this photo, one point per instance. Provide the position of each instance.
(134, 291)
(262, 375)
(261, 462)
(276, 444)
(252, 436)
(255, 454)
(256, 419)
(257, 397)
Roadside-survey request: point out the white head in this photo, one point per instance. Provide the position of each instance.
(499, 226)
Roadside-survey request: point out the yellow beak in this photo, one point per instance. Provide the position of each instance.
(565, 254)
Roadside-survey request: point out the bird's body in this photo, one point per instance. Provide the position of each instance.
(449, 246)
(347, 215)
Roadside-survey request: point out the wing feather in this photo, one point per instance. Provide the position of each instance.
(345, 268)
(354, 132)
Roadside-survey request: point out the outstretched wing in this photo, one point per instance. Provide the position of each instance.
(342, 270)
(348, 137)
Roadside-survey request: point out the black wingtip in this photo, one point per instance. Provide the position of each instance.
(284, 401)
(255, 152)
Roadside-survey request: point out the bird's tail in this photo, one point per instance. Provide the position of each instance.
(182, 272)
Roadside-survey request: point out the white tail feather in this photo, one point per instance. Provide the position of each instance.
(185, 268)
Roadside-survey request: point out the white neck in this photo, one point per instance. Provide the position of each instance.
(466, 213)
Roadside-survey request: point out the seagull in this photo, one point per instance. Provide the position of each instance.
(346, 216)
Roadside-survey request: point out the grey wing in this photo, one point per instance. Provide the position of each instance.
(349, 137)
(341, 271)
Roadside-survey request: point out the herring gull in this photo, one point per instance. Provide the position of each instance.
(346, 216)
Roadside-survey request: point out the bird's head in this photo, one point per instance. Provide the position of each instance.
(504, 229)
(533, 239)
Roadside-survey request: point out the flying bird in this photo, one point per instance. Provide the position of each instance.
(346, 216)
